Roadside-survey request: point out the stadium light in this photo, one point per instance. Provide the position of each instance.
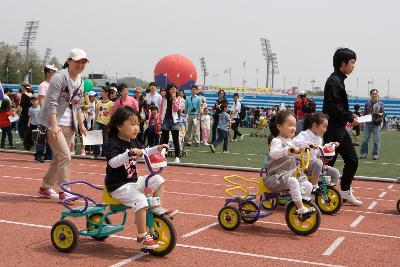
(30, 33)
(203, 68)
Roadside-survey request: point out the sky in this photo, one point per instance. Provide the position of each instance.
(129, 37)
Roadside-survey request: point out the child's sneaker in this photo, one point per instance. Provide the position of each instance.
(64, 196)
(226, 152)
(303, 210)
(212, 147)
(147, 242)
(162, 211)
(177, 160)
(48, 193)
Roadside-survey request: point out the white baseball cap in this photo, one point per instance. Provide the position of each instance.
(77, 54)
(92, 93)
(51, 67)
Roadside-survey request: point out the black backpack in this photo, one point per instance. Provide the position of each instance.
(309, 105)
(242, 114)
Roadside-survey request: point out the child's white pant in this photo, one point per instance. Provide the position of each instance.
(132, 194)
(298, 187)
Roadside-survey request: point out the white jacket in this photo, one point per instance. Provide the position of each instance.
(308, 138)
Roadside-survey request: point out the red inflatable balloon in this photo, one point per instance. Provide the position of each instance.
(175, 69)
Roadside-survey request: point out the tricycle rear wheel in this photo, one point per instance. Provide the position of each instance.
(96, 218)
(64, 236)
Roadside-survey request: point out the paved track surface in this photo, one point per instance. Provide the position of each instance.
(356, 236)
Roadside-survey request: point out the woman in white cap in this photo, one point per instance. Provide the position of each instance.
(61, 116)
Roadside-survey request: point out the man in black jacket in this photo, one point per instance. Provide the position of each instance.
(336, 105)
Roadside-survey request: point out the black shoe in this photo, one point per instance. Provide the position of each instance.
(40, 160)
(11, 146)
(317, 191)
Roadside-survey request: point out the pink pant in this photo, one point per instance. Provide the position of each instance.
(205, 133)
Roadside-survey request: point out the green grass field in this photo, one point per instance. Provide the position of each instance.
(251, 150)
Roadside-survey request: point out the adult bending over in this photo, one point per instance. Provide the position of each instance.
(61, 115)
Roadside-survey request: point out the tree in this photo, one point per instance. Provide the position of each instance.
(8, 70)
(54, 61)
(11, 58)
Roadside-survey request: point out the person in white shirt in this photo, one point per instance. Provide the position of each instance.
(153, 97)
(237, 106)
(49, 71)
(205, 126)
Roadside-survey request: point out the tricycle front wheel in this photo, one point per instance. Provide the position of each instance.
(165, 234)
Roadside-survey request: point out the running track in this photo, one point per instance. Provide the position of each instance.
(365, 236)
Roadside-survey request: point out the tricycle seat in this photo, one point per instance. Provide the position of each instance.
(115, 205)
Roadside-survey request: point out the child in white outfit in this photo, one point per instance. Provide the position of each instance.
(316, 125)
(205, 125)
(282, 165)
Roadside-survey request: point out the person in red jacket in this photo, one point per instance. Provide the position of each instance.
(153, 131)
(299, 112)
(5, 124)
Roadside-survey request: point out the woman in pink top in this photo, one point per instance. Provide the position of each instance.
(170, 109)
(124, 99)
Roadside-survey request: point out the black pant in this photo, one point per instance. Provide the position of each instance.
(152, 138)
(214, 129)
(104, 131)
(140, 136)
(235, 128)
(28, 138)
(346, 149)
(4, 132)
(222, 136)
(22, 126)
(175, 139)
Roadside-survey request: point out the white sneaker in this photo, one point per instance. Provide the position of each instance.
(348, 195)
(241, 137)
(177, 160)
(302, 210)
(225, 152)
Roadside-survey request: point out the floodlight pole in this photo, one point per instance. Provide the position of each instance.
(31, 29)
(203, 67)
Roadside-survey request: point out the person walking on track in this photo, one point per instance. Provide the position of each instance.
(61, 116)
(336, 106)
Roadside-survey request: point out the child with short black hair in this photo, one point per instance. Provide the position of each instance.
(153, 131)
(5, 124)
(122, 181)
(282, 161)
(224, 122)
(33, 124)
(316, 125)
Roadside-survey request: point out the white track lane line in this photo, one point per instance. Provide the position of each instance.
(260, 221)
(357, 221)
(202, 248)
(373, 204)
(192, 233)
(333, 246)
(182, 193)
(128, 260)
(382, 194)
(390, 186)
